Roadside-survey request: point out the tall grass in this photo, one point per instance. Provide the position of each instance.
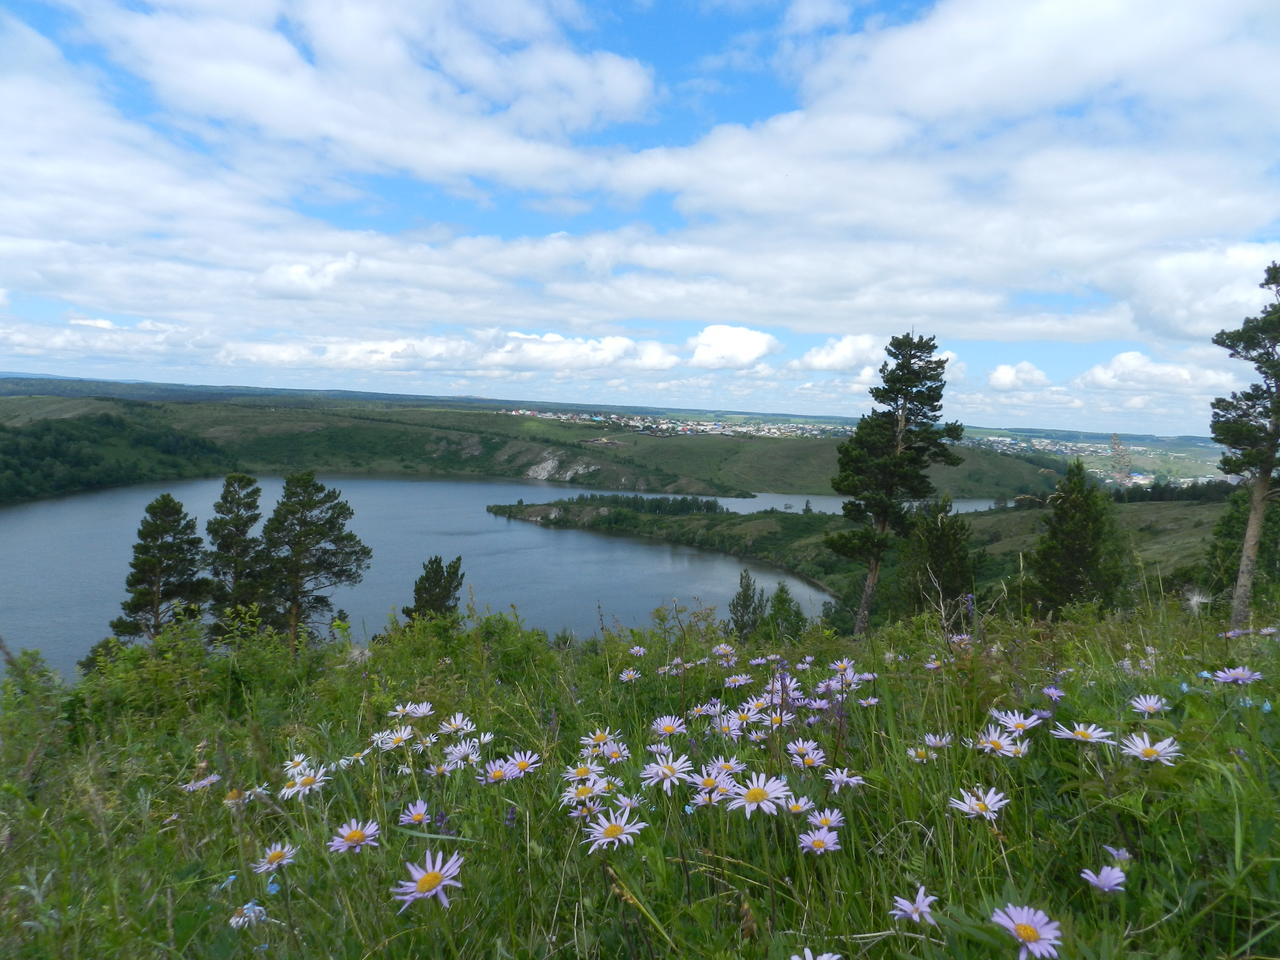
(105, 854)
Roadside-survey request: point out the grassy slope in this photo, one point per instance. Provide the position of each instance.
(107, 855)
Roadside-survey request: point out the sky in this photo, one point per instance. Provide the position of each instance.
(726, 204)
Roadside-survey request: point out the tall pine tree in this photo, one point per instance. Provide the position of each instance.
(235, 556)
(938, 562)
(164, 580)
(1078, 556)
(435, 592)
(1247, 423)
(882, 466)
(309, 551)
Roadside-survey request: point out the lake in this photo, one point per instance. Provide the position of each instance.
(63, 562)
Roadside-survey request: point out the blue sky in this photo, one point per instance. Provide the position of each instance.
(709, 203)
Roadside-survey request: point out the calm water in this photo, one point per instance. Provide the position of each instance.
(63, 562)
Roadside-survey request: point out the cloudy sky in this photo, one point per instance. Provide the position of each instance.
(698, 203)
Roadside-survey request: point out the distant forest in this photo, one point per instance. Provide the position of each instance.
(52, 457)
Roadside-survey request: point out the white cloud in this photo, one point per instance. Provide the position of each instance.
(845, 353)
(1020, 376)
(720, 346)
(304, 280)
(96, 322)
(1133, 370)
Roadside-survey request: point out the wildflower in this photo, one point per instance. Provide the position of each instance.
(195, 785)
(993, 740)
(1118, 854)
(810, 761)
(1240, 675)
(354, 835)
(979, 804)
(869, 702)
(1148, 704)
(819, 841)
(235, 799)
(305, 782)
(583, 771)
(840, 666)
(400, 711)
(277, 855)
(737, 680)
(1037, 934)
(1019, 748)
(414, 813)
(457, 724)
(600, 736)
(937, 740)
(1087, 732)
(248, 915)
(729, 727)
(918, 910)
(615, 752)
(398, 737)
(300, 761)
(808, 955)
(827, 818)
(1108, 879)
(747, 713)
(524, 761)
(666, 772)
(623, 802)
(429, 880)
(1139, 745)
(711, 780)
(497, 771)
(629, 675)
(609, 831)
(637, 651)
(781, 718)
(760, 791)
(1053, 693)
(668, 726)
(1016, 723)
(921, 755)
(357, 757)
(580, 792)
(842, 778)
(799, 805)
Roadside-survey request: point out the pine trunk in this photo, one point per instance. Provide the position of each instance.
(1242, 596)
(868, 590)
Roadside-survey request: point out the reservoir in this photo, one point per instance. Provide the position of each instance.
(63, 562)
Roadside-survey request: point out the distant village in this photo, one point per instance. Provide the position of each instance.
(1109, 462)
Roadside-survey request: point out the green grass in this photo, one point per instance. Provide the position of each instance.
(107, 855)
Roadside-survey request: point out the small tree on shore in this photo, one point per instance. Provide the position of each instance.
(164, 580)
(435, 592)
(882, 467)
(1247, 423)
(748, 606)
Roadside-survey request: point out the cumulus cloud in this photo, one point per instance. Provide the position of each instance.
(1019, 376)
(843, 353)
(721, 346)
(305, 280)
(1134, 370)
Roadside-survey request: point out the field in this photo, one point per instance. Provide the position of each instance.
(467, 790)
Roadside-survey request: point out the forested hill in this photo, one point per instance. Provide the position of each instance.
(57, 444)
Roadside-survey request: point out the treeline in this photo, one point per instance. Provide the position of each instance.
(661, 506)
(53, 457)
(1207, 491)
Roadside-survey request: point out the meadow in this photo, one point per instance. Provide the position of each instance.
(463, 788)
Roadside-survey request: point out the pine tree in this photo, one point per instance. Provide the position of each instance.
(1247, 423)
(938, 562)
(164, 579)
(1077, 557)
(784, 619)
(747, 607)
(1222, 564)
(435, 592)
(309, 550)
(882, 466)
(235, 557)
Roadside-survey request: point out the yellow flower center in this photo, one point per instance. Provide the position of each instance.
(997, 746)
(824, 821)
(355, 836)
(583, 772)
(775, 720)
(1026, 933)
(583, 791)
(1150, 753)
(429, 881)
(497, 774)
(1084, 734)
(275, 856)
(612, 831)
(599, 737)
(981, 807)
(668, 728)
(523, 764)
(233, 796)
(756, 795)
(667, 770)
(307, 782)
(418, 817)
(809, 761)
(819, 844)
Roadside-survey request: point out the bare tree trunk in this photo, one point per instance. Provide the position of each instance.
(868, 590)
(1242, 596)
